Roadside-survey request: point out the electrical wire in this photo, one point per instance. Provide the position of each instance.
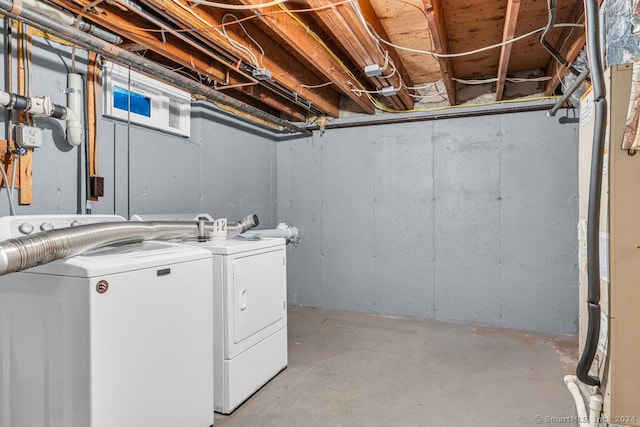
(472, 52)
(316, 86)
(128, 27)
(236, 6)
(12, 208)
(258, 63)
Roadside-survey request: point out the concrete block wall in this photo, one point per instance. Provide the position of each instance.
(464, 220)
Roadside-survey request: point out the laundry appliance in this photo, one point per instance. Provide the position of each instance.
(118, 336)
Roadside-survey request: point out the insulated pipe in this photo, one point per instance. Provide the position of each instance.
(595, 193)
(576, 84)
(68, 19)
(51, 26)
(41, 248)
(74, 106)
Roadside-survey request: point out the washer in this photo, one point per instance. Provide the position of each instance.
(120, 336)
(250, 316)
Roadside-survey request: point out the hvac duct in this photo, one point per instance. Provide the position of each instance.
(41, 248)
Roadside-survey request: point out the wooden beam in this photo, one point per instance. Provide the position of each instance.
(437, 28)
(287, 31)
(347, 29)
(172, 47)
(177, 48)
(557, 71)
(574, 40)
(287, 71)
(510, 22)
(25, 162)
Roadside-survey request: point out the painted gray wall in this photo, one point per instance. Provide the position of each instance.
(465, 220)
(226, 168)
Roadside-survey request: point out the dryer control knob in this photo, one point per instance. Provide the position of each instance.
(25, 228)
(76, 223)
(46, 226)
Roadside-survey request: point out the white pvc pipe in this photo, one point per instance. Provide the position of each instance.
(74, 107)
(282, 230)
(591, 419)
(5, 98)
(595, 409)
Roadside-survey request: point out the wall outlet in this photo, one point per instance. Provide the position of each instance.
(29, 136)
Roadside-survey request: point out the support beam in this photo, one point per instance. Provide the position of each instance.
(574, 41)
(109, 51)
(300, 38)
(348, 30)
(290, 73)
(177, 47)
(437, 28)
(556, 70)
(510, 23)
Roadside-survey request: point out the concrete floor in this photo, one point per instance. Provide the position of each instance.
(354, 369)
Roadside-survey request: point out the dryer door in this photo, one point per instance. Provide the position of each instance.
(259, 298)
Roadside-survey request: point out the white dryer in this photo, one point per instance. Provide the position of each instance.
(120, 336)
(250, 316)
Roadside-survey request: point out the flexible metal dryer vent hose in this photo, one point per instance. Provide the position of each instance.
(41, 248)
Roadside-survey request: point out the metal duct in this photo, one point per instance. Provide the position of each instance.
(244, 224)
(41, 248)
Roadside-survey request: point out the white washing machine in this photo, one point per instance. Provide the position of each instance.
(120, 336)
(250, 316)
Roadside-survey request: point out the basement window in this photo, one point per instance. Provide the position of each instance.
(140, 99)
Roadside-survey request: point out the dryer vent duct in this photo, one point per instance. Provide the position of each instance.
(41, 248)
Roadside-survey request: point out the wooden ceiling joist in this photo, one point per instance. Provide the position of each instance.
(437, 28)
(510, 22)
(171, 47)
(285, 70)
(574, 41)
(286, 31)
(345, 26)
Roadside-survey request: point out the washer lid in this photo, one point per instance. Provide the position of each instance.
(234, 246)
(122, 258)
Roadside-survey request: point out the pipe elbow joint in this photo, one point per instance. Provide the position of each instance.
(74, 128)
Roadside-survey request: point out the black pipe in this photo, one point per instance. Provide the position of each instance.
(58, 29)
(595, 193)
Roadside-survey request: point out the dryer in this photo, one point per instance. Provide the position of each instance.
(250, 316)
(120, 336)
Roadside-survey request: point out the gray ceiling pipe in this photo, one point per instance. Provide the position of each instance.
(41, 248)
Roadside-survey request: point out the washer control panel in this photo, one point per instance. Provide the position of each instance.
(24, 225)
